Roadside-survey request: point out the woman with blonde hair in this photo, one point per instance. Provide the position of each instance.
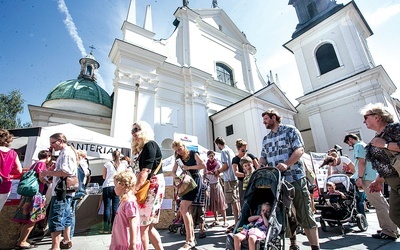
(147, 161)
(191, 162)
(9, 161)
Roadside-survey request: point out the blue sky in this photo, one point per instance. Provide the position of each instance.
(41, 43)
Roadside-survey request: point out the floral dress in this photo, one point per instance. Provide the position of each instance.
(150, 157)
(26, 205)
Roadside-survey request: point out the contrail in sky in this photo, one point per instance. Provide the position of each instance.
(70, 25)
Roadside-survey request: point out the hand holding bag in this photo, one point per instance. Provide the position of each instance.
(184, 183)
(29, 183)
(141, 194)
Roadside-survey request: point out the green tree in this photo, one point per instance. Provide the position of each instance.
(10, 106)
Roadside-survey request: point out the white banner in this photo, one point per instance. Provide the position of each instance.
(321, 173)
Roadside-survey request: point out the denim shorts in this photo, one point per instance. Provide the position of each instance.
(60, 214)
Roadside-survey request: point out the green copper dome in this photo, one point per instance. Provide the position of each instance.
(80, 89)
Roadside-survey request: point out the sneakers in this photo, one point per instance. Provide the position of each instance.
(383, 236)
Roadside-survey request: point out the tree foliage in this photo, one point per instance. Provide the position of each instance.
(11, 105)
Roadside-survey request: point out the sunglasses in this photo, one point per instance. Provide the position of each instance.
(135, 130)
(366, 116)
(243, 150)
(51, 143)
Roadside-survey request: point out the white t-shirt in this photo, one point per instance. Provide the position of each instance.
(340, 169)
(111, 172)
(66, 162)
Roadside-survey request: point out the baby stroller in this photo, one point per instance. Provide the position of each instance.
(265, 185)
(335, 210)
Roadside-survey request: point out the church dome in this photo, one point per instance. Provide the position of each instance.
(82, 95)
(80, 89)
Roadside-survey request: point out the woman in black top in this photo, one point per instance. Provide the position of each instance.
(148, 158)
(191, 163)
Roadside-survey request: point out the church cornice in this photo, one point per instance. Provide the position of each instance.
(377, 76)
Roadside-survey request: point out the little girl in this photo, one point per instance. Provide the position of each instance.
(255, 230)
(126, 227)
(248, 168)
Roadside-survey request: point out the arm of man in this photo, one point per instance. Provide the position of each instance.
(296, 155)
(361, 170)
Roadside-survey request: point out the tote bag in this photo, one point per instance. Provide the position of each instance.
(29, 183)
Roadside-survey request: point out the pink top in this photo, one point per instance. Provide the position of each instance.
(7, 163)
(39, 167)
(120, 231)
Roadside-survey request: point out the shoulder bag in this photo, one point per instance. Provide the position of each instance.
(141, 194)
(184, 183)
(29, 183)
(394, 159)
(393, 156)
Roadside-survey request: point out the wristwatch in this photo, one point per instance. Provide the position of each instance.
(386, 145)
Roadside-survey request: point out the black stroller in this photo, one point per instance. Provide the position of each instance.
(335, 211)
(266, 185)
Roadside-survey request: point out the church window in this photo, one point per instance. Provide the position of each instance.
(224, 74)
(326, 58)
(229, 130)
(312, 9)
(89, 70)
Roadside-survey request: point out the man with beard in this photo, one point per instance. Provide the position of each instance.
(282, 148)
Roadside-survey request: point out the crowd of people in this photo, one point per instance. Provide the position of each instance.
(132, 225)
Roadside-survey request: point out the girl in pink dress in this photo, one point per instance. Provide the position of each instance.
(126, 227)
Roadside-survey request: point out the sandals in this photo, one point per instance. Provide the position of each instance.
(215, 223)
(25, 247)
(187, 246)
(202, 235)
(225, 225)
(65, 245)
(294, 247)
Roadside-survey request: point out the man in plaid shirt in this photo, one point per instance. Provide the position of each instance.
(282, 148)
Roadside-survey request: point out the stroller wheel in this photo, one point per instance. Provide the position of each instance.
(362, 222)
(175, 228)
(171, 228)
(342, 230)
(323, 225)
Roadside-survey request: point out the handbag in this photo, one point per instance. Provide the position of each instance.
(29, 183)
(394, 159)
(141, 194)
(38, 211)
(72, 183)
(184, 183)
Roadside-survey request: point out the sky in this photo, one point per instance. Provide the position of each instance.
(41, 42)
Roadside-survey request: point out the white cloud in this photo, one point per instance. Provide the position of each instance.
(382, 15)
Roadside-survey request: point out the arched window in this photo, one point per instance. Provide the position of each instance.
(89, 70)
(224, 74)
(326, 58)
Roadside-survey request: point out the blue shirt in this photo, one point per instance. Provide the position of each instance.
(278, 146)
(359, 153)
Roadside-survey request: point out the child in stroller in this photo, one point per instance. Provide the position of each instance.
(255, 230)
(339, 206)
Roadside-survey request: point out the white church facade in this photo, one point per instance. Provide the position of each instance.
(203, 80)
